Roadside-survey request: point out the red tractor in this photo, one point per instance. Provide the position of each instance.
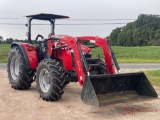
(59, 59)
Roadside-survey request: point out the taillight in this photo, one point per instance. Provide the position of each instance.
(30, 48)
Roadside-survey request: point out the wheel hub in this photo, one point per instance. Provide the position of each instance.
(44, 80)
(14, 67)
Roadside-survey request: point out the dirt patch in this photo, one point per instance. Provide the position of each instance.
(26, 105)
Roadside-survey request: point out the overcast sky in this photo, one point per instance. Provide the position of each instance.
(75, 9)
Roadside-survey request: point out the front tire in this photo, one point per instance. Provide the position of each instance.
(20, 77)
(101, 69)
(50, 80)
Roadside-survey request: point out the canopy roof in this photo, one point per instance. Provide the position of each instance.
(44, 16)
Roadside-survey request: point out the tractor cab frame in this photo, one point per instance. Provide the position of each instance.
(47, 17)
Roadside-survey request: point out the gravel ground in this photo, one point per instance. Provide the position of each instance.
(27, 105)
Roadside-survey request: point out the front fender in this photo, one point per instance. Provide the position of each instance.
(29, 55)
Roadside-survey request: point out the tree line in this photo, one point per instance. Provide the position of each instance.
(10, 40)
(142, 32)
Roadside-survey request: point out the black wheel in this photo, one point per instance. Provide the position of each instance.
(50, 80)
(101, 69)
(20, 77)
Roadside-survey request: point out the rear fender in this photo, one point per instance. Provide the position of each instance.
(29, 55)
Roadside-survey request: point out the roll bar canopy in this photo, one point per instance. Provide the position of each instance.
(49, 17)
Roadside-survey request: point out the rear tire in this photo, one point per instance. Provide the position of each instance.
(20, 77)
(50, 80)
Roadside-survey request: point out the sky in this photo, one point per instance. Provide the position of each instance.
(75, 9)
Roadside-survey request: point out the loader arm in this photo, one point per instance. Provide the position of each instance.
(102, 42)
(71, 42)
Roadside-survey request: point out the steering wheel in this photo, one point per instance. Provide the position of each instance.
(38, 37)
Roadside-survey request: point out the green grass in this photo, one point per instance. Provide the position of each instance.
(4, 50)
(148, 54)
(154, 77)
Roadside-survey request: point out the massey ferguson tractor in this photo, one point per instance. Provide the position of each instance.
(56, 60)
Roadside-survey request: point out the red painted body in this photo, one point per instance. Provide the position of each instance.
(85, 49)
(72, 47)
(32, 56)
(102, 42)
(65, 54)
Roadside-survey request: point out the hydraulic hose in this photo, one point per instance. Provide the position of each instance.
(114, 57)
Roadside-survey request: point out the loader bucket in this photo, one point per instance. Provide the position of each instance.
(109, 89)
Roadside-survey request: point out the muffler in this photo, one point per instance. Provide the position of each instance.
(108, 89)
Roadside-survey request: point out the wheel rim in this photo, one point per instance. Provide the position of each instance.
(44, 80)
(14, 68)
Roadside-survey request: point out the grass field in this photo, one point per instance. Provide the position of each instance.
(4, 50)
(154, 77)
(148, 54)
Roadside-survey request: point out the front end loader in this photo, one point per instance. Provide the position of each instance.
(59, 59)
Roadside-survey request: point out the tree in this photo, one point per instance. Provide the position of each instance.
(9, 40)
(1, 39)
(121, 39)
(143, 31)
(114, 35)
(157, 35)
